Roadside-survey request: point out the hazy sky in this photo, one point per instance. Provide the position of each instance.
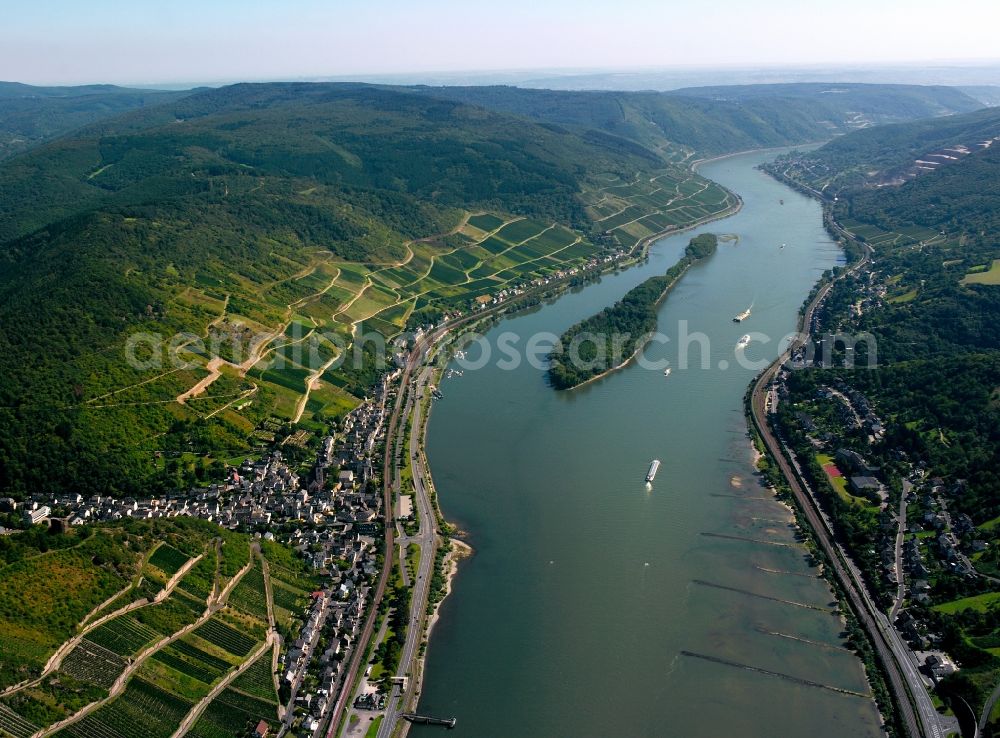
(135, 41)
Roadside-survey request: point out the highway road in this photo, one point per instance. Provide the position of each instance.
(919, 717)
(426, 538)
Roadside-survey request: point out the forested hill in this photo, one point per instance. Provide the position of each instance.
(932, 297)
(722, 119)
(32, 115)
(350, 137)
(893, 154)
(249, 210)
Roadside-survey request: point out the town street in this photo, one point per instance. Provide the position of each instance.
(900, 531)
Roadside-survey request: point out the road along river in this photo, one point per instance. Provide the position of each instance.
(595, 606)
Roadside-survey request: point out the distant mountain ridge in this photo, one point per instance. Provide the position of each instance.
(716, 120)
(986, 94)
(31, 115)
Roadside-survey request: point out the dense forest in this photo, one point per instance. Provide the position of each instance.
(960, 198)
(606, 340)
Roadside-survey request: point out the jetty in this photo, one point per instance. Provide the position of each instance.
(448, 723)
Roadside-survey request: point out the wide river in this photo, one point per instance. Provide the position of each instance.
(591, 601)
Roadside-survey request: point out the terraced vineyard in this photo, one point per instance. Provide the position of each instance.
(168, 559)
(113, 682)
(53, 698)
(14, 724)
(485, 255)
(249, 595)
(232, 714)
(257, 680)
(296, 369)
(170, 682)
(248, 700)
(225, 637)
(92, 663)
(175, 612)
(632, 211)
(904, 236)
(123, 635)
(142, 711)
(235, 555)
(199, 582)
(287, 601)
(290, 590)
(188, 659)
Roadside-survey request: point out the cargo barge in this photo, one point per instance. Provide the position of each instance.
(653, 468)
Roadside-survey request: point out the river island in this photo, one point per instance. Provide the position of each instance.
(597, 346)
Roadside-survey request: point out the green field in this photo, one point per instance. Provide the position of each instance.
(986, 276)
(373, 728)
(485, 222)
(838, 484)
(979, 603)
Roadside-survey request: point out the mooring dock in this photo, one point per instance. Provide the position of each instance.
(448, 723)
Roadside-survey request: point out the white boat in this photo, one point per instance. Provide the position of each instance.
(739, 318)
(653, 468)
(743, 342)
(666, 372)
